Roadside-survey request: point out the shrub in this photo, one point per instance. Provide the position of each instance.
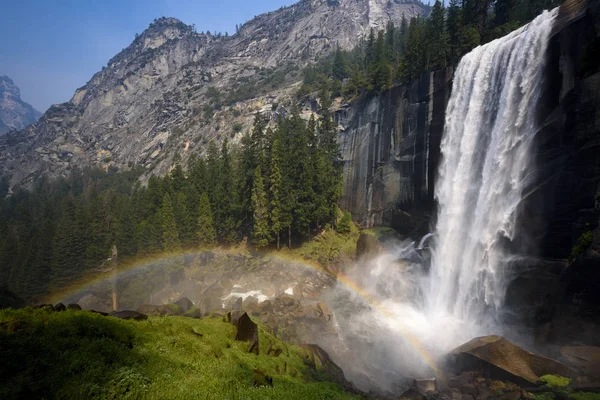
(555, 381)
(582, 244)
(345, 224)
(237, 127)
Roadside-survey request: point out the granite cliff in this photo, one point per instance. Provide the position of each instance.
(173, 90)
(15, 114)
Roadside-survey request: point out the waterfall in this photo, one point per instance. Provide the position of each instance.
(485, 171)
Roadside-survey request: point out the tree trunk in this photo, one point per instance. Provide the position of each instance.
(290, 236)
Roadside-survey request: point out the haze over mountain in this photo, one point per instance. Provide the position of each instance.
(156, 99)
(15, 114)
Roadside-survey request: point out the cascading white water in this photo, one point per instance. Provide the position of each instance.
(484, 175)
(485, 170)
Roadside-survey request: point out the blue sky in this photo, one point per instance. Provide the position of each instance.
(51, 47)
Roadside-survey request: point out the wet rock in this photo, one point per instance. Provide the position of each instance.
(194, 312)
(318, 359)
(99, 312)
(74, 307)
(92, 302)
(134, 315)
(428, 385)
(237, 306)
(251, 305)
(233, 317)
(184, 304)
(367, 245)
(60, 307)
(413, 394)
(247, 330)
(497, 358)
(585, 359)
(266, 306)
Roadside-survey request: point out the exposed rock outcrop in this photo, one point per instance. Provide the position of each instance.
(15, 114)
(390, 148)
(497, 358)
(152, 101)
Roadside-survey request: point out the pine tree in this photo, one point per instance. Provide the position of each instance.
(276, 185)
(205, 229)
(169, 233)
(437, 38)
(345, 225)
(339, 69)
(260, 231)
(454, 27)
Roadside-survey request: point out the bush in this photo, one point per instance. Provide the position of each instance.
(237, 127)
(555, 381)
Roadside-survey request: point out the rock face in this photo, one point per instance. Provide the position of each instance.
(247, 330)
(497, 358)
(151, 102)
(15, 114)
(390, 149)
(563, 204)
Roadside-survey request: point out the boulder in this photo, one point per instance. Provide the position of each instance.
(164, 310)
(237, 306)
(585, 359)
(184, 304)
(367, 245)
(92, 302)
(318, 359)
(128, 314)
(60, 307)
(497, 358)
(74, 307)
(99, 312)
(233, 317)
(247, 330)
(412, 394)
(428, 385)
(194, 312)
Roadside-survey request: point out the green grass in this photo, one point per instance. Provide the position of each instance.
(585, 396)
(82, 355)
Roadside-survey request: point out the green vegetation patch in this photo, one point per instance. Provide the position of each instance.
(555, 381)
(380, 231)
(77, 354)
(329, 247)
(583, 242)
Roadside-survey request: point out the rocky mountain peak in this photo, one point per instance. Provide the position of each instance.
(14, 112)
(173, 90)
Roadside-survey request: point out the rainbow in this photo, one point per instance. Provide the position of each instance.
(101, 277)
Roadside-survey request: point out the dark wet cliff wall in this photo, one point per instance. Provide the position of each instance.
(390, 147)
(390, 144)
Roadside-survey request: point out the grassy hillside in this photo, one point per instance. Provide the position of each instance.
(76, 354)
